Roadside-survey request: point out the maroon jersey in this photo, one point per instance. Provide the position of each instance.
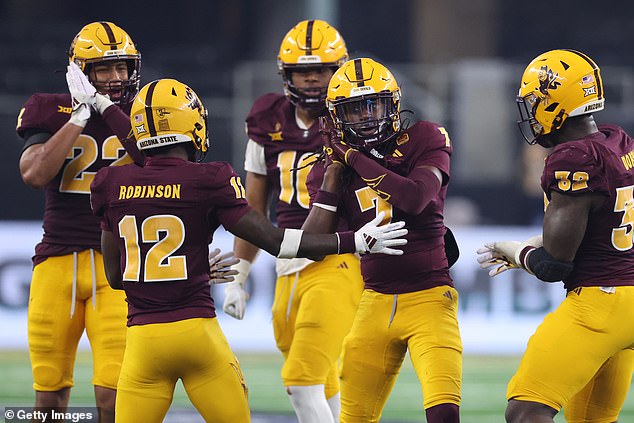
(68, 222)
(164, 215)
(600, 163)
(423, 264)
(272, 124)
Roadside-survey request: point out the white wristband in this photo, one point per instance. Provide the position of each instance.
(102, 102)
(80, 115)
(326, 207)
(290, 243)
(243, 267)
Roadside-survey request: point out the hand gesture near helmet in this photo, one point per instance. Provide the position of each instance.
(336, 150)
(84, 94)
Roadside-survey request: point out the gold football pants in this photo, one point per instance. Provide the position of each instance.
(193, 350)
(424, 323)
(312, 313)
(69, 294)
(581, 356)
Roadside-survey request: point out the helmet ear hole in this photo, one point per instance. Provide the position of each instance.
(552, 107)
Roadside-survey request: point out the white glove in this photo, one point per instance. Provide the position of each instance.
(371, 238)
(82, 93)
(236, 295)
(498, 253)
(505, 254)
(80, 88)
(80, 115)
(102, 102)
(220, 266)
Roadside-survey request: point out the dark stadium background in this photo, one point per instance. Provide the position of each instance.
(202, 43)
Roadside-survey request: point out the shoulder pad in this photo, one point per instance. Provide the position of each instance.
(45, 112)
(266, 116)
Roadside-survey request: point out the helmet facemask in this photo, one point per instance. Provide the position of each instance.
(367, 121)
(200, 136)
(128, 88)
(530, 128)
(311, 98)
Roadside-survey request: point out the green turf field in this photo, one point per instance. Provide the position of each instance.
(484, 386)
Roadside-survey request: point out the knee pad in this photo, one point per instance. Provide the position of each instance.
(48, 378)
(107, 376)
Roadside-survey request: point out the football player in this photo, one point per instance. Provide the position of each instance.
(157, 222)
(375, 165)
(283, 133)
(67, 138)
(582, 356)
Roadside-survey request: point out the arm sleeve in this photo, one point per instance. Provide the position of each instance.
(32, 137)
(119, 123)
(411, 193)
(254, 160)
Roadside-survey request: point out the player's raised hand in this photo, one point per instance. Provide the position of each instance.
(82, 93)
(372, 238)
(80, 88)
(336, 149)
(220, 266)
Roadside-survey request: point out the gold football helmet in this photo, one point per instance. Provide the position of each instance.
(557, 85)
(105, 41)
(168, 112)
(364, 102)
(309, 45)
